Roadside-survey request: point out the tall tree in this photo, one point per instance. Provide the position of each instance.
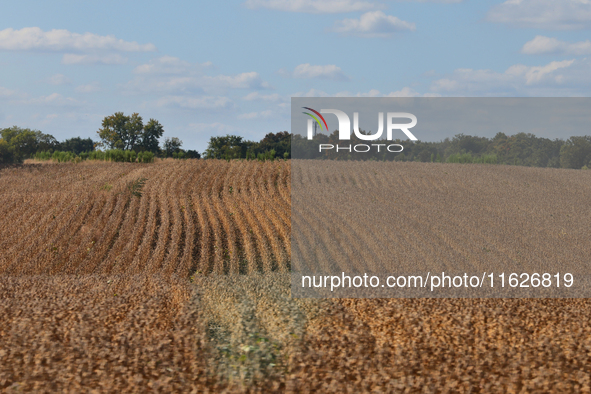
(120, 131)
(153, 130)
(113, 131)
(135, 127)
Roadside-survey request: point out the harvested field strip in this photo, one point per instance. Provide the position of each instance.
(225, 206)
(247, 223)
(57, 259)
(95, 236)
(17, 206)
(176, 227)
(251, 233)
(185, 266)
(82, 242)
(324, 237)
(218, 264)
(149, 237)
(177, 238)
(26, 213)
(35, 241)
(234, 217)
(115, 255)
(109, 233)
(165, 223)
(111, 326)
(245, 247)
(304, 245)
(229, 251)
(130, 249)
(269, 232)
(163, 226)
(462, 218)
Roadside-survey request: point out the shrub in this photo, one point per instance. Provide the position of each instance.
(135, 187)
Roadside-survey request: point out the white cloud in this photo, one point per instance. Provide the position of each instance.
(536, 74)
(33, 38)
(554, 78)
(256, 115)
(191, 102)
(328, 71)
(49, 118)
(58, 79)
(404, 92)
(314, 6)
(174, 76)
(311, 93)
(371, 93)
(373, 24)
(257, 96)
(170, 65)
(543, 14)
(54, 99)
(113, 58)
(541, 45)
(320, 93)
(89, 88)
(249, 80)
(4, 92)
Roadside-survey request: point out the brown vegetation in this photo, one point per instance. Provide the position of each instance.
(186, 287)
(192, 216)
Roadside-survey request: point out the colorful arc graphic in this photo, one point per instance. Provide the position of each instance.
(315, 118)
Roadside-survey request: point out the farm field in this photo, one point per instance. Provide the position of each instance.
(174, 277)
(409, 218)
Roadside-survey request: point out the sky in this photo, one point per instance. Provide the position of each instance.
(205, 69)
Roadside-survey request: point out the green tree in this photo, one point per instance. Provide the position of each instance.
(24, 143)
(121, 132)
(193, 154)
(226, 147)
(576, 152)
(279, 142)
(172, 145)
(462, 143)
(46, 142)
(153, 131)
(113, 131)
(77, 145)
(6, 155)
(135, 127)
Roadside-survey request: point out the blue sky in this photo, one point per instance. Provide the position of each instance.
(213, 68)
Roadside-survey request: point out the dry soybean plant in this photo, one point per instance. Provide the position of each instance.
(175, 277)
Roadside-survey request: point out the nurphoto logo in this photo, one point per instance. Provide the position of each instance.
(345, 129)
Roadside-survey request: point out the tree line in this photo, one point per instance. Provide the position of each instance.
(272, 146)
(523, 149)
(127, 138)
(121, 138)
